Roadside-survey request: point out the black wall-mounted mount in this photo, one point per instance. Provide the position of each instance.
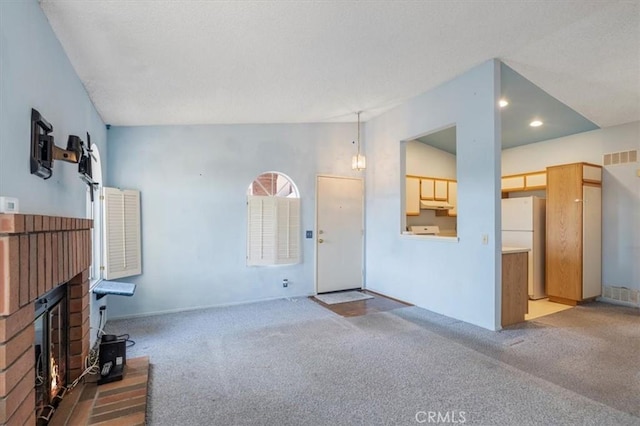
(85, 169)
(44, 151)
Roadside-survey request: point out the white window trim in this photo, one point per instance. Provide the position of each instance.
(94, 212)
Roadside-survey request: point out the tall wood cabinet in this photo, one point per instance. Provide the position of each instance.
(574, 232)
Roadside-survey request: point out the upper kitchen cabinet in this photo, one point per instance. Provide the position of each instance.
(441, 190)
(434, 189)
(452, 199)
(532, 181)
(412, 196)
(574, 232)
(427, 189)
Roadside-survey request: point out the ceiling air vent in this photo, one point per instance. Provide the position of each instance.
(621, 157)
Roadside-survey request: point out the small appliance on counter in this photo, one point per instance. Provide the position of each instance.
(113, 358)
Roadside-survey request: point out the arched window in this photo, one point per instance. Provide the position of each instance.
(273, 220)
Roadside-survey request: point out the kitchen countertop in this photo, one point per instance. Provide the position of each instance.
(508, 250)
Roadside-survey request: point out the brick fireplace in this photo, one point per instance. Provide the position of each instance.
(37, 255)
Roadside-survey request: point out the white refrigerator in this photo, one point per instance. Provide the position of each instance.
(523, 225)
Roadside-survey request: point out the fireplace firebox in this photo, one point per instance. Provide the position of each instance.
(51, 351)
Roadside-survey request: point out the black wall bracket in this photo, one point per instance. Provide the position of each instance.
(44, 151)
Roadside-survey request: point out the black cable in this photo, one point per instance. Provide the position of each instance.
(126, 337)
(99, 326)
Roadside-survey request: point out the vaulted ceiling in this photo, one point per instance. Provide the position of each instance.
(195, 62)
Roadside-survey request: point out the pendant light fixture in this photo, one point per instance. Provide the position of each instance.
(358, 162)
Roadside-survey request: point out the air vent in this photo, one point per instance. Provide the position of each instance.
(621, 157)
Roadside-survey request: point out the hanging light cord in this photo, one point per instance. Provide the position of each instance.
(359, 135)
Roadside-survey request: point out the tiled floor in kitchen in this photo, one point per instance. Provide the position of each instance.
(542, 307)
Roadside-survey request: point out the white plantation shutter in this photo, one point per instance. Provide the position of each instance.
(273, 234)
(121, 233)
(288, 230)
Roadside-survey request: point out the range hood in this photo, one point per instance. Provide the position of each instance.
(435, 205)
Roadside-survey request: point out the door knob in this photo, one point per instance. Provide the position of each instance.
(321, 241)
(321, 232)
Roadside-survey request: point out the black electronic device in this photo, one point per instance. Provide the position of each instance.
(113, 358)
(84, 166)
(41, 158)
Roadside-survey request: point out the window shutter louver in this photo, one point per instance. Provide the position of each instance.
(274, 230)
(287, 239)
(121, 233)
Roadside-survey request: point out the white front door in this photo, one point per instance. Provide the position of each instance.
(339, 233)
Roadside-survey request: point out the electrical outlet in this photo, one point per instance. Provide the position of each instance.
(285, 283)
(309, 234)
(8, 205)
(485, 239)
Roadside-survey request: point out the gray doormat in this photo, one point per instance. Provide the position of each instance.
(342, 297)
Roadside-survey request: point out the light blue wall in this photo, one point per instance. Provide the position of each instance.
(455, 279)
(193, 182)
(620, 191)
(36, 73)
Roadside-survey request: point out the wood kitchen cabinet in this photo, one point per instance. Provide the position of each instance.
(531, 181)
(412, 196)
(513, 183)
(427, 189)
(514, 287)
(574, 232)
(430, 189)
(440, 190)
(535, 181)
(452, 198)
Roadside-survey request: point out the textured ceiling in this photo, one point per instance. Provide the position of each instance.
(192, 62)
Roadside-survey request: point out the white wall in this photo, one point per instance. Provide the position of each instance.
(36, 73)
(425, 160)
(459, 280)
(193, 182)
(620, 191)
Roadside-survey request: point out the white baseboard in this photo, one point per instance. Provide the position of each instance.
(197, 308)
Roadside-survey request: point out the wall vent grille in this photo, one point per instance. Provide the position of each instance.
(622, 294)
(621, 157)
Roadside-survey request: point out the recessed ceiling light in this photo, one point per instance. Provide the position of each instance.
(535, 123)
(503, 103)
